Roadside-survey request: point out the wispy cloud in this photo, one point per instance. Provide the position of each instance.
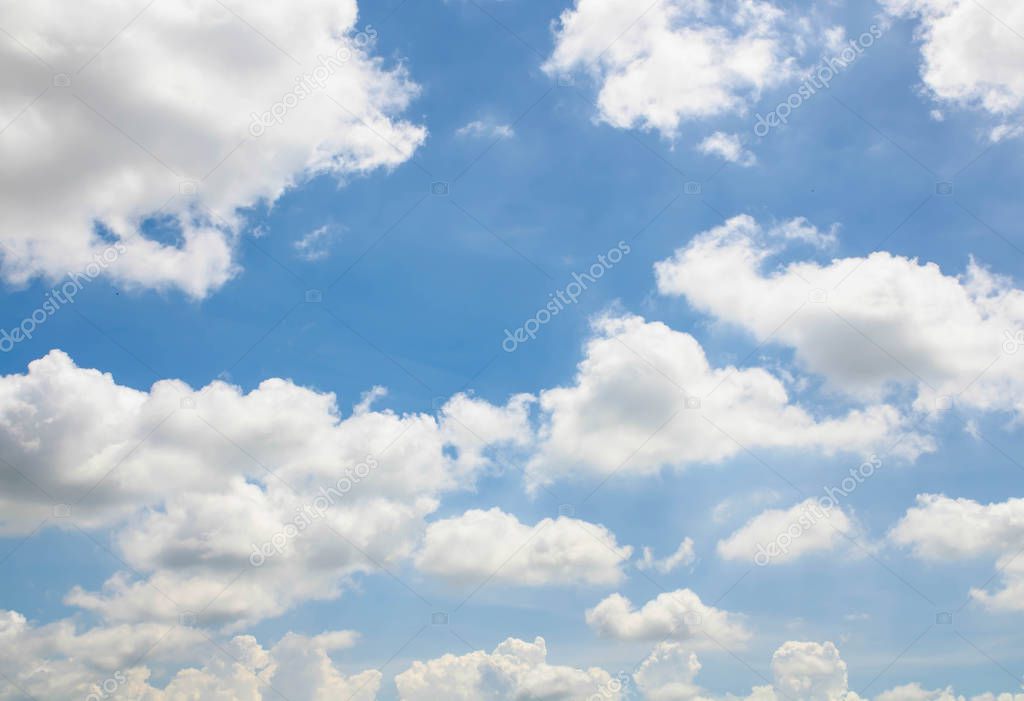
(485, 128)
(317, 244)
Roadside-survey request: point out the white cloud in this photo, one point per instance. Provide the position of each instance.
(869, 325)
(684, 555)
(915, 692)
(148, 118)
(679, 615)
(485, 128)
(56, 663)
(668, 673)
(632, 409)
(728, 147)
(676, 61)
(316, 245)
(515, 670)
(807, 671)
(945, 530)
(492, 545)
(803, 529)
(184, 477)
(801, 671)
(970, 53)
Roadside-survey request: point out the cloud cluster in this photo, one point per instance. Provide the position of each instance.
(675, 61)
(119, 116)
(801, 671)
(55, 663)
(212, 487)
(869, 325)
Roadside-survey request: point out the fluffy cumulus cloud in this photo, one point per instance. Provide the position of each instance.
(214, 487)
(516, 669)
(807, 671)
(777, 536)
(55, 662)
(944, 530)
(971, 53)
(645, 397)
(801, 671)
(870, 324)
(679, 615)
(676, 61)
(117, 115)
(668, 674)
(495, 546)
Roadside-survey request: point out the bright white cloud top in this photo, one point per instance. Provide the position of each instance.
(971, 52)
(491, 545)
(680, 615)
(867, 324)
(731, 52)
(118, 115)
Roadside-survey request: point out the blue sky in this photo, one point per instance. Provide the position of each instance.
(490, 178)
